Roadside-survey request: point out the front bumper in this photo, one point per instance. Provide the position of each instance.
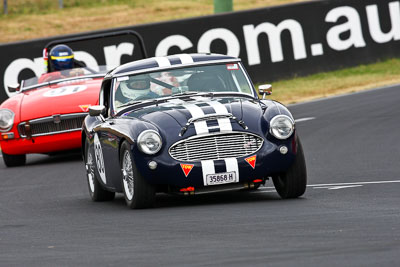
(42, 144)
(269, 161)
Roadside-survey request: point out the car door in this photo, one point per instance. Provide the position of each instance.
(106, 143)
(109, 141)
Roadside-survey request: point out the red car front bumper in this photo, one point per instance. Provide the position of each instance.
(42, 144)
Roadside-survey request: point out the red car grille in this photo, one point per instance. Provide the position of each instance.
(52, 125)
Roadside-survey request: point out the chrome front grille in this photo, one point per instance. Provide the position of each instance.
(216, 146)
(52, 125)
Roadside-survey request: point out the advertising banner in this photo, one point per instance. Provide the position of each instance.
(274, 43)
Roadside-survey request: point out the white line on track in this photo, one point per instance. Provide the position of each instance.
(336, 186)
(356, 183)
(305, 119)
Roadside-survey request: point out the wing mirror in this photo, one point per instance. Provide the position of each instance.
(95, 111)
(265, 89)
(12, 88)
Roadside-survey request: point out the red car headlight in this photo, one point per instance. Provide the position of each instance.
(6, 120)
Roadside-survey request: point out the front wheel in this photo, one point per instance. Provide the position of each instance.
(14, 160)
(293, 182)
(138, 193)
(96, 191)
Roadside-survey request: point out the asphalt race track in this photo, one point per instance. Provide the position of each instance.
(349, 216)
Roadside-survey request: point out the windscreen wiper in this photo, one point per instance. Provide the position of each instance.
(186, 93)
(144, 101)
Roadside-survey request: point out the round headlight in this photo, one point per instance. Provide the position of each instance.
(281, 126)
(149, 142)
(6, 120)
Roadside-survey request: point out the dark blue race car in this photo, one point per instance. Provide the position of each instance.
(188, 123)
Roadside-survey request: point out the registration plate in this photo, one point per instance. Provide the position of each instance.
(221, 178)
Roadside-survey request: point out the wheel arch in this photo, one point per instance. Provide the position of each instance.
(122, 140)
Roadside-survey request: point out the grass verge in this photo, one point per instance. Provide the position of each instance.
(337, 82)
(29, 19)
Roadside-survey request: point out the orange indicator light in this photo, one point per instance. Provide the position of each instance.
(7, 136)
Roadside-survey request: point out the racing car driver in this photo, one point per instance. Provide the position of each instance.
(61, 58)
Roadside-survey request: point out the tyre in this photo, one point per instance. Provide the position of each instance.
(293, 182)
(138, 193)
(96, 191)
(14, 160)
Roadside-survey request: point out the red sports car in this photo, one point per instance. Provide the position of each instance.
(46, 114)
(47, 117)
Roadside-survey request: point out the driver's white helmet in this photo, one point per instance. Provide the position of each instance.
(135, 87)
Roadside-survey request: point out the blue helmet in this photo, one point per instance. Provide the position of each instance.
(61, 58)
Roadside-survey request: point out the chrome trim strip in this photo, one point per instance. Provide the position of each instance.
(53, 133)
(178, 66)
(248, 80)
(212, 116)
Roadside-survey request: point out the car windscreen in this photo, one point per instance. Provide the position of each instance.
(52, 77)
(222, 78)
